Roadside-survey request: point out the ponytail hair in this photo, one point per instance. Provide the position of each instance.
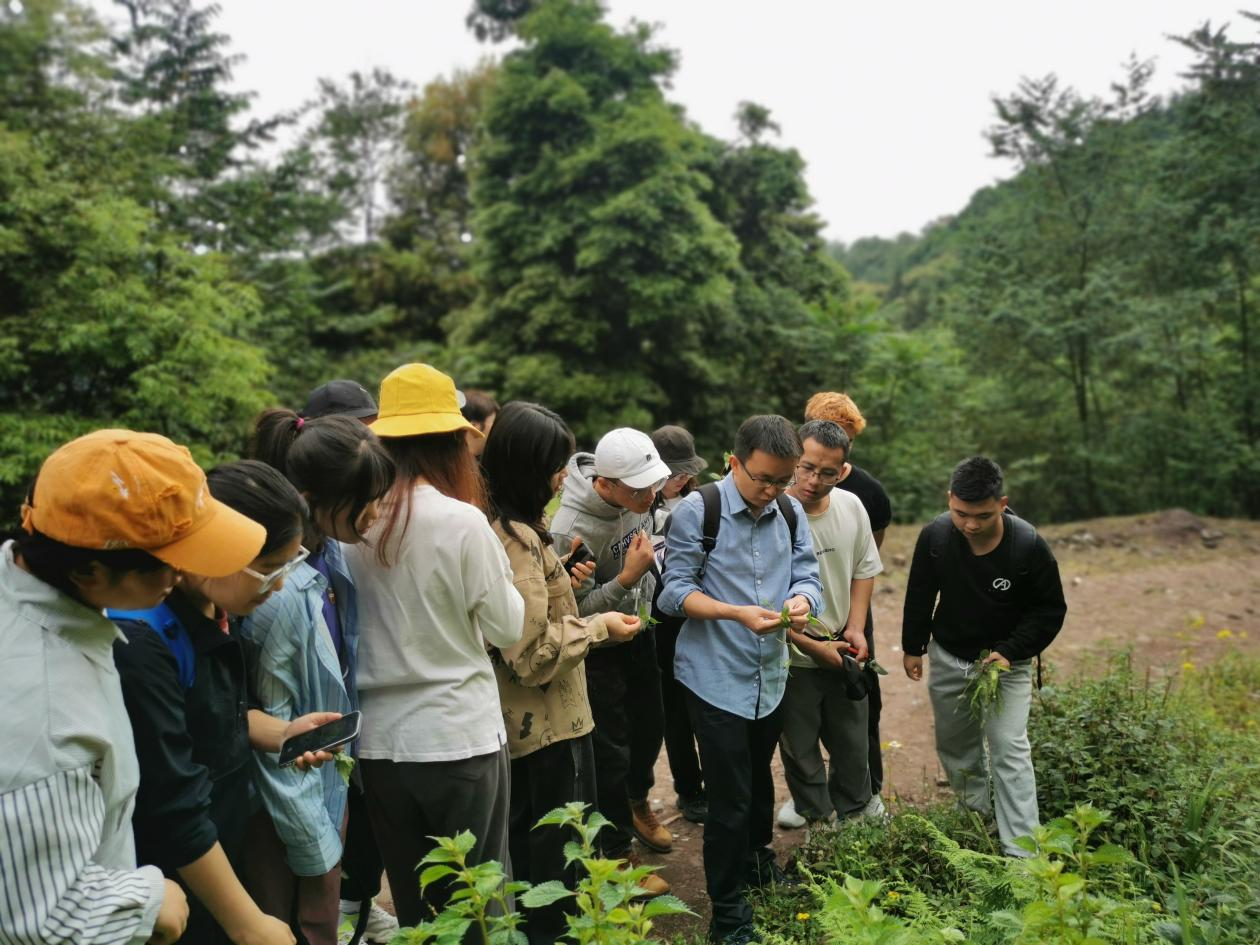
(335, 461)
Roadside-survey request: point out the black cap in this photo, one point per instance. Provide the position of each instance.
(678, 451)
(343, 398)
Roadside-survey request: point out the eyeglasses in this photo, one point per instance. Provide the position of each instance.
(268, 581)
(679, 477)
(779, 484)
(806, 471)
(637, 494)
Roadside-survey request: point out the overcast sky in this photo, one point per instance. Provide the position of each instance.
(886, 101)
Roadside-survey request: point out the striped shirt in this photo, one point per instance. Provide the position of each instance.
(68, 776)
(297, 671)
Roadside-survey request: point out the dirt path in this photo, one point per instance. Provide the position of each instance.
(1152, 583)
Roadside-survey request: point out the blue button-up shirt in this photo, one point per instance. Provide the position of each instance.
(754, 562)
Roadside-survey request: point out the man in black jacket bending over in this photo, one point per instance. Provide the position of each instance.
(1000, 592)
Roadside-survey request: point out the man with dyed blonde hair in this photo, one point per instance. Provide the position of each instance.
(838, 408)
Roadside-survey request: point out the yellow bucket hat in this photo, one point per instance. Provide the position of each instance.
(417, 399)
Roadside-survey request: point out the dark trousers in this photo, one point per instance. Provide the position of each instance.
(623, 684)
(542, 781)
(680, 739)
(736, 754)
(412, 801)
(361, 864)
(875, 704)
(307, 903)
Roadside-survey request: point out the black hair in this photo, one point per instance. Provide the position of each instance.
(260, 492)
(54, 562)
(479, 406)
(770, 433)
(527, 445)
(827, 434)
(976, 479)
(336, 461)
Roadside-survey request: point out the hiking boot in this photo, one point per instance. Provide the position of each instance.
(694, 807)
(744, 935)
(768, 873)
(645, 826)
(788, 818)
(653, 884)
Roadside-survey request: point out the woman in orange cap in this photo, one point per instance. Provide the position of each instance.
(111, 519)
(435, 590)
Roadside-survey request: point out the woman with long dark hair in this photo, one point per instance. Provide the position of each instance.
(435, 590)
(184, 670)
(542, 678)
(307, 640)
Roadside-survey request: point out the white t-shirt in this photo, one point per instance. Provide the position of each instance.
(426, 686)
(846, 551)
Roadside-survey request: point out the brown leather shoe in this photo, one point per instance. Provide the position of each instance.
(653, 884)
(645, 826)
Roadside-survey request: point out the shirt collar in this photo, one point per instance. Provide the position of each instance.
(89, 630)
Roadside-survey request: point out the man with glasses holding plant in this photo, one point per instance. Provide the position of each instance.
(826, 698)
(739, 590)
(607, 503)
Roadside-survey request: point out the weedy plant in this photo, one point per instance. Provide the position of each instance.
(345, 765)
(607, 907)
(983, 692)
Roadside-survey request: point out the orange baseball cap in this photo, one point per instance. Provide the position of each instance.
(417, 399)
(117, 489)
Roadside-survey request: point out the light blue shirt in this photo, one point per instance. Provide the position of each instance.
(754, 562)
(297, 671)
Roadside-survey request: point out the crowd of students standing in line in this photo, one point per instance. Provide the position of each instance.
(164, 632)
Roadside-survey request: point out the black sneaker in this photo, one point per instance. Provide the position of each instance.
(694, 807)
(769, 873)
(744, 935)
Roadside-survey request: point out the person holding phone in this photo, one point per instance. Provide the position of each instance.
(111, 520)
(184, 672)
(434, 591)
(542, 677)
(307, 641)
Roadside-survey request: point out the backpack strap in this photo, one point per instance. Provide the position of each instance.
(789, 515)
(941, 529)
(712, 523)
(1023, 542)
(163, 621)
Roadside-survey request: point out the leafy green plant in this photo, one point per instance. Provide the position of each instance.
(608, 905)
(983, 692)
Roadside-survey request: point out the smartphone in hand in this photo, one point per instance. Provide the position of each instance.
(581, 554)
(325, 737)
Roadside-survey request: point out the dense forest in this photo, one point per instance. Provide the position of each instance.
(551, 226)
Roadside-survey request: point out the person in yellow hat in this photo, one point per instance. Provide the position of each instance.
(111, 519)
(435, 590)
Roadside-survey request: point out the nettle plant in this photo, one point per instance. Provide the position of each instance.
(607, 908)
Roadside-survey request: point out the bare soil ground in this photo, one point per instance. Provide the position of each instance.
(1176, 588)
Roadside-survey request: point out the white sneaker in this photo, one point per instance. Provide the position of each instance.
(875, 808)
(789, 819)
(381, 926)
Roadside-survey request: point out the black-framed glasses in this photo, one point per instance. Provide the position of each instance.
(806, 471)
(768, 483)
(267, 581)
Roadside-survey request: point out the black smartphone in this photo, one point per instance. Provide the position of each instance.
(326, 737)
(581, 554)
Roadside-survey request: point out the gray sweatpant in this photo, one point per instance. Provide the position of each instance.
(960, 745)
(816, 709)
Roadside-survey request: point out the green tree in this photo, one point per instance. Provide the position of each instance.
(604, 279)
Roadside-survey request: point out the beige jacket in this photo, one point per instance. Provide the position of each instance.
(542, 679)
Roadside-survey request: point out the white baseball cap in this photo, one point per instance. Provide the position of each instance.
(630, 456)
